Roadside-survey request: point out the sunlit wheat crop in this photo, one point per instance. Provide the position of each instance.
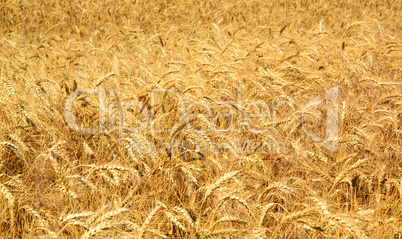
(200, 119)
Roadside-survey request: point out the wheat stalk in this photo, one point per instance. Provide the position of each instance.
(148, 219)
(6, 195)
(221, 181)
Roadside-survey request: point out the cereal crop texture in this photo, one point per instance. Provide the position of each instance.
(249, 119)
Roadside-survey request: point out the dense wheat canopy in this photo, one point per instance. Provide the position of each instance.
(200, 119)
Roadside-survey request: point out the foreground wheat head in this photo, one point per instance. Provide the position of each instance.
(191, 75)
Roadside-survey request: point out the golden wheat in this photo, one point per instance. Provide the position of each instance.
(208, 119)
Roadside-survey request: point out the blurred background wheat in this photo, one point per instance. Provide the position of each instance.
(222, 179)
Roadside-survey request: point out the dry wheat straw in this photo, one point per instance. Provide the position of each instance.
(233, 198)
(7, 196)
(149, 218)
(227, 219)
(346, 171)
(220, 182)
(18, 152)
(78, 185)
(176, 221)
(75, 216)
(265, 209)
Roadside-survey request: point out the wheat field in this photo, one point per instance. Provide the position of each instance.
(200, 119)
